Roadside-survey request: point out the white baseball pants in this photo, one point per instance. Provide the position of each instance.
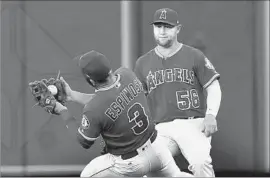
(185, 135)
(153, 160)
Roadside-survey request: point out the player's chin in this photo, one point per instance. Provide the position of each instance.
(166, 44)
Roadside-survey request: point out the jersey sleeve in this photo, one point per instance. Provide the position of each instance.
(138, 70)
(90, 127)
(204, 70)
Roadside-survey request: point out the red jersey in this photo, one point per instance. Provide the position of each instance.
(120, 114)
(175, 85)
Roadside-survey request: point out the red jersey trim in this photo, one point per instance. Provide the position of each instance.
(87, 138)
(211, 80)
(171, 54)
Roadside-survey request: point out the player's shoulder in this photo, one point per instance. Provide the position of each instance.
(191, 49)
(192, 52)
(88, 106)
(94, 104)
(145, 56)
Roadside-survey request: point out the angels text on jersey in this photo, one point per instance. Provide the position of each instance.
(123, 99)
(160, 77)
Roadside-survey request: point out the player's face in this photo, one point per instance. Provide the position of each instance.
(165, 34)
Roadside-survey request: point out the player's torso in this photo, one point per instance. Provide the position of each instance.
(173, 89)
(124, 113)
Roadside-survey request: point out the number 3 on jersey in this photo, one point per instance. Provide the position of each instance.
(187, 98)
(136, 115)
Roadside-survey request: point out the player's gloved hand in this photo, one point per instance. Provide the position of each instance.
(67, 89)
(209, 125)
(43, 96)
(61, 95)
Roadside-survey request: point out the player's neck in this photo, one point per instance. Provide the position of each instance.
(167, 51)
(110, 81)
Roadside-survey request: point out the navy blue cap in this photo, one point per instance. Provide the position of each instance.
(95, 65)
(166, 15)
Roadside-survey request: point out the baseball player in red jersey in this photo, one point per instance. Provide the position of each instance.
(118, 111)
(176, 78)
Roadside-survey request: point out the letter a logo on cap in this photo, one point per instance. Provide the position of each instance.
(163, 14)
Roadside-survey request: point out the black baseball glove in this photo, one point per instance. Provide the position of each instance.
(61, 95)
(43, 96)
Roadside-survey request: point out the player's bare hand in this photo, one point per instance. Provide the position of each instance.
(67, 88)
(59, 107)
(209, 125)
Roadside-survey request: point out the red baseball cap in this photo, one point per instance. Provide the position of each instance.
(166, 15)
(95, 65)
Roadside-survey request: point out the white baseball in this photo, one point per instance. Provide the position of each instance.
(53, 89)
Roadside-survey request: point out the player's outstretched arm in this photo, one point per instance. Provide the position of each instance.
(76, 96)
(82, 98)
(72, 125)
